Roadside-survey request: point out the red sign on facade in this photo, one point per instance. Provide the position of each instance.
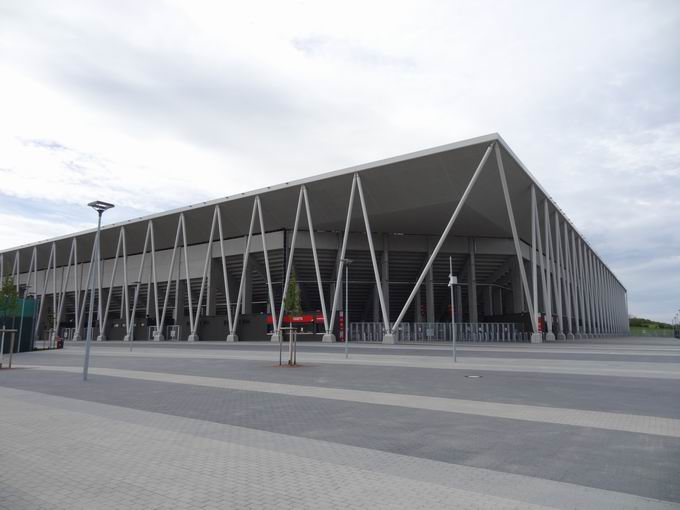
(307, 318)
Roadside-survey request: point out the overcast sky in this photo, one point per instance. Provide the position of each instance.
(154, 105)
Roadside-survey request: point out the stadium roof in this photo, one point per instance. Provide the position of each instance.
(413, 193)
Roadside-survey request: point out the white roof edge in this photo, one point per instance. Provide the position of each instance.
(290, 184)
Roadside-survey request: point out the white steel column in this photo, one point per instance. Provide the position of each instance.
(592, 288)
(549, 335)
(449, 225)
(276, 337)
(544, 279)
(568, 285)
(388, 337)
(79, 322)
(125, 298)
(578, 289)
(593, 291)
(225, 276)
(158, 335)
(153, 273)
(627, 322)
(472, 283)
(385, 273)
(266, 260)
(193, 336)
(429, 290)
(102, 328)
(598, 293)
(341, 257)
(76, 285)
(586, 289)
(129, 336)
(557, 259)
(232, 336)
(534, 276)
(536, 336)
(582, 277)
(605, 300)
(64, 282)
(187, 276)
(612, 281)
(16, 270)
(312, 236)
(44, 290)
(55, 325)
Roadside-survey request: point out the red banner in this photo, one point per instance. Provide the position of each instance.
(299, 319)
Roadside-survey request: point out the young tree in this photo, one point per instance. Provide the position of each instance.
(9, 300)
(9, 304)
(292, 300)
(292, 306)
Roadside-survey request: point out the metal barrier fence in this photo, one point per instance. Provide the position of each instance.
(172, 333)
(434, 332)
(68, 333)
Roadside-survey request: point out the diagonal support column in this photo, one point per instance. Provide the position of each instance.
(276, 337)
(536, 337)
(158, 336)
(263, 235)
(388, 336)
(193, 336)
(102, 329)
(444, 235)
(232, 336)
(316, 260)
(343, 250)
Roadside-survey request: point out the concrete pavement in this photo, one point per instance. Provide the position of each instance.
(212, 426)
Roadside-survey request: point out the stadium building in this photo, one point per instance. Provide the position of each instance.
(390, 232)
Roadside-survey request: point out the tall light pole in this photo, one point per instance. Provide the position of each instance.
(453, 280)
(346, 263)
(100, 207)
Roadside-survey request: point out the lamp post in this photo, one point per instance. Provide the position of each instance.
(453, 280)
(100, 207)
(346, 263)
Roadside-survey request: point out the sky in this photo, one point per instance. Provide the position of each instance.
(154, 105)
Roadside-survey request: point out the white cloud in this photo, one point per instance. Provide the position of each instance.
(159, 104)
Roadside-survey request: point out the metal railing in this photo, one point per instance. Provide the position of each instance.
(172, 332)
(440, 332)
(68, 333)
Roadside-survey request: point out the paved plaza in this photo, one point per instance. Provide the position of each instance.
(209, 425)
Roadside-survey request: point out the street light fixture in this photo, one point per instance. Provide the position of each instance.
(346, 263)
(100, 207)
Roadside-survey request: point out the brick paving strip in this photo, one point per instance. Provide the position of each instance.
(668, 427)
(647, 370)
(63, 453)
